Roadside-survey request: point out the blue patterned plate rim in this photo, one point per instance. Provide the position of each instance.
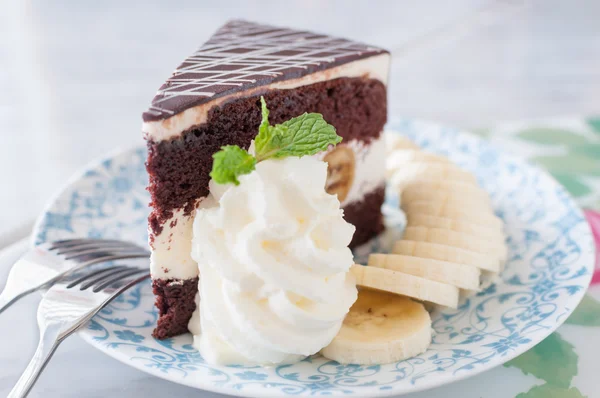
(528, 304)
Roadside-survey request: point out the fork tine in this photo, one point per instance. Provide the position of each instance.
(73, 243)
(116, 250)
(117, 277)
(96, 246)
(70, 242)
(96, 257)
(91, 261)
(98, 278)
(88, 275)
(61, 242)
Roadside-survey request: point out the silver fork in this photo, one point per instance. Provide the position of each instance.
(69, 305)
(43, 265)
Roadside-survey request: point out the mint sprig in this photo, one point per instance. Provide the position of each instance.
(230, 163)
(304, 135)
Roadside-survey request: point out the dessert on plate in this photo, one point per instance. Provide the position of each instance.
(267, 165)
(213, 99)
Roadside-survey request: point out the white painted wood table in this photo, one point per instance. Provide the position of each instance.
(75, 77)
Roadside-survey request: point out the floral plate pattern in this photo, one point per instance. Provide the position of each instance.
(551, 260)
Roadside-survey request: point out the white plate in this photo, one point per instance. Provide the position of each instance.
(550, 265)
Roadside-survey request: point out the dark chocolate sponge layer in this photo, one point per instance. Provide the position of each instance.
(366, 216)
(179, 168)
(176, 301)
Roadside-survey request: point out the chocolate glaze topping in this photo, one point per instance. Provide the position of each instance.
(243, 55)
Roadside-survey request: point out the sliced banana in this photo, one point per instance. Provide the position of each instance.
(426, 220)
(459, 275)
(457, 239)
(411, 155)
(430, 171)
(449, 210)
(423, 189)
(341, 165)
(395, 142)
(447, 253)
(397, 159)
(422, 192)
(441, 198)
(406, 285)
(381, 328)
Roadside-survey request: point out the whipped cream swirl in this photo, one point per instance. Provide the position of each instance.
(274, 260)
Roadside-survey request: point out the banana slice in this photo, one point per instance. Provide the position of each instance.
(341, 165)
(406, 285)
(410, 155)
(459, 275)
(395, 142)
(431, 171)
(441, 198)
(447, 253)
(457, 239)
(397, 159)
(425, 220)
(448, 210)
(456, 189)
(427, 192)
(381, 328)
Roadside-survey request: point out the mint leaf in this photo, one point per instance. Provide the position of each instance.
(265, 130)
(304, 135)
(264, 124)
(230, 163)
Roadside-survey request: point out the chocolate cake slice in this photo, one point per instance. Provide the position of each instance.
(213, 99)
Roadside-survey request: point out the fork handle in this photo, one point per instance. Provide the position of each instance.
(5, 301)
(9, 298)
(49, 341)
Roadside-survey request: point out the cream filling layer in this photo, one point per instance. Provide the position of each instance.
(373, 67)
(171, 253)
(171, 249)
